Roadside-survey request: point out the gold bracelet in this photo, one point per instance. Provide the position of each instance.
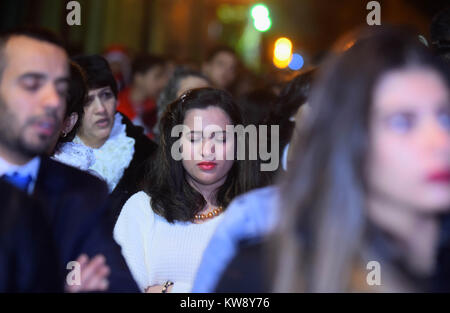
(166, 285)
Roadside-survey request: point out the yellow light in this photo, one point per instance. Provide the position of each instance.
(281, 63)
(283, 49)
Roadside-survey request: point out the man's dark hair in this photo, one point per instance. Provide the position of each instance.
(145, 62)
(169, 93)
(440, 34)
(290, 99)
(97, 71)
(219, 49)
(40, 34)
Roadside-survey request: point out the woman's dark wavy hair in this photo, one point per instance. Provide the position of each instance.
(171, 195)
(324, 196)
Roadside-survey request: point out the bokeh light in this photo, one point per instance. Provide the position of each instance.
(261, 18)
(297, 62)
(260, 11)
(262, 24)
(281, 63)
(283, 49)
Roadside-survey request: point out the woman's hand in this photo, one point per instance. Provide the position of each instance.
(157, 289)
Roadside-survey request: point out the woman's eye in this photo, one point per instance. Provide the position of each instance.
(401, 122)
(106, 95)
(444, 118)
(63, 90)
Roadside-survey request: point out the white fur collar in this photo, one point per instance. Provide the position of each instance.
(115, 155)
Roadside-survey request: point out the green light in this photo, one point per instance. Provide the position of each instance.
(260, 11)
(262, 24)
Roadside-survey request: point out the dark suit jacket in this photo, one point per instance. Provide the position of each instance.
(76, 207)
(28, 259)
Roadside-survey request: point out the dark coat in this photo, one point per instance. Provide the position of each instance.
(76, 206)
(28, 258)
(247, 272)
(133, 176)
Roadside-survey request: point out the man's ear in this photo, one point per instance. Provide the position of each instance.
(69, 123)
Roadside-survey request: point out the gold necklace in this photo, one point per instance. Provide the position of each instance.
(210, 214)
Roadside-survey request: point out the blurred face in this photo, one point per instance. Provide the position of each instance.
(191, 82)
(98, 118)
(153, 81)
(409, 161)
(205, 146)
(221, 70)
(33, 87)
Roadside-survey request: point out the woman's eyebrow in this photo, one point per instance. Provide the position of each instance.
(101, 90)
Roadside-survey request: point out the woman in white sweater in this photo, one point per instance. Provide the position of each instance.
(164, 229)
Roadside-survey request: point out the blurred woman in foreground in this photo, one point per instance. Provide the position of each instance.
(370, 180)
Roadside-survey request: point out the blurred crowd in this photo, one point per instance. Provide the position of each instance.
(338, 180)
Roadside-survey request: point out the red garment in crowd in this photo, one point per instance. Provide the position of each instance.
(146, 117)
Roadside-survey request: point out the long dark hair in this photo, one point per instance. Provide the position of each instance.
(171, 195)
(323, 220)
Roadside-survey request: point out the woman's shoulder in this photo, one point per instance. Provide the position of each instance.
(137, 207)
(138, 197)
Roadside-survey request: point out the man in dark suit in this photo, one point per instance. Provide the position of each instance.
(33, 84)
(28, 259)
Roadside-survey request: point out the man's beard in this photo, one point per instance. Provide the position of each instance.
(12, 135)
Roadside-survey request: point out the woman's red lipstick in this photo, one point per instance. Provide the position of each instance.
(207, 166)
(440, 177)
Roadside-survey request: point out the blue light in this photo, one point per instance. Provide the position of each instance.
(297, 62)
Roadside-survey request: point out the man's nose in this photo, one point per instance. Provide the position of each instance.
(51, 97)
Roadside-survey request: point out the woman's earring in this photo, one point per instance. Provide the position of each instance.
(64, 134)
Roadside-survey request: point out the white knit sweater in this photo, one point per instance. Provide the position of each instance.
(157, 251)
